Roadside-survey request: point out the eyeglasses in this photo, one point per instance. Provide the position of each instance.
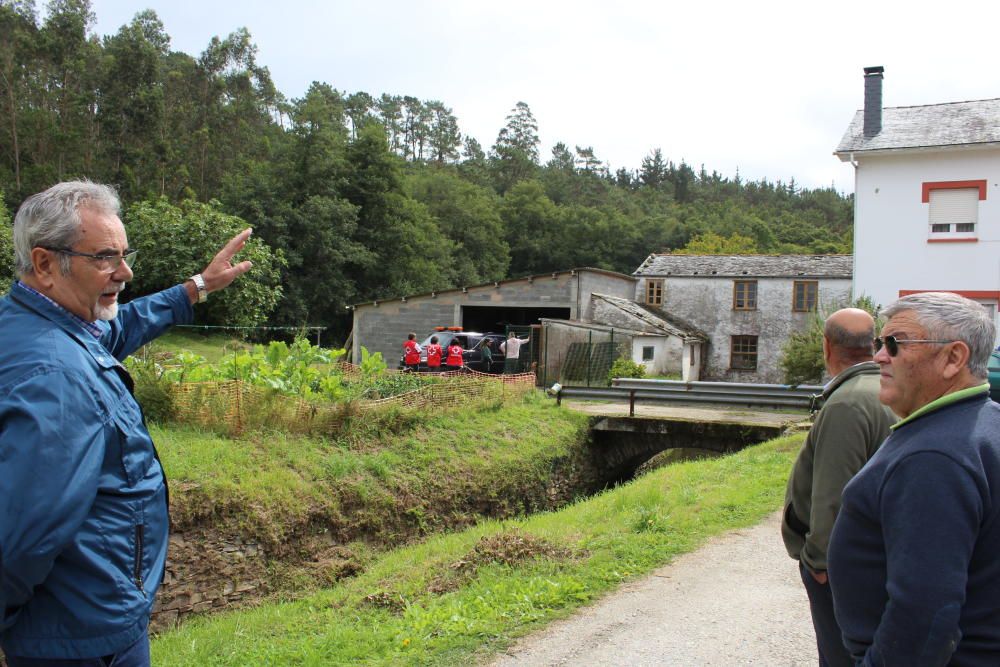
(892, 343)
(104, 262)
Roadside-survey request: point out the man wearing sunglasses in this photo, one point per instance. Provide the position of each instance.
(913, 556)
(83, 499)
(845, 433)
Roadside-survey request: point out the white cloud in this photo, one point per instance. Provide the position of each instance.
(766, 87)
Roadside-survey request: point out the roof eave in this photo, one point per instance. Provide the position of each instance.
(846, 154)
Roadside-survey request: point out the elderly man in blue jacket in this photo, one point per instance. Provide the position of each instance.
(913, 555)
(83, 499)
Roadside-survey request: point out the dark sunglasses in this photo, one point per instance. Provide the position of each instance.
(892, 343)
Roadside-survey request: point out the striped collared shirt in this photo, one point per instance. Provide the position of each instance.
(90, 327)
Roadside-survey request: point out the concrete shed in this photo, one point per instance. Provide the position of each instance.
(382, 326)
(664, 343)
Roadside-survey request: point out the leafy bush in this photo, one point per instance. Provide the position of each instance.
(301, 370)
(175, 242)
(625, 368)
(153, 391)
(6, 248)
(802, 354)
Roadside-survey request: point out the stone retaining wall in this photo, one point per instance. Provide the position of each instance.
(206, 572)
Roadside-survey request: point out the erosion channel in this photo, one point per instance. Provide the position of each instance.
(225, 555)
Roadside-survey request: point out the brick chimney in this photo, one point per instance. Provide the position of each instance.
(873, 101)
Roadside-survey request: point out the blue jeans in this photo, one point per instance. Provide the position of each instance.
(136, 655)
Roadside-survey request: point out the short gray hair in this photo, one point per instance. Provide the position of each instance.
(949, 316)
(52, 219)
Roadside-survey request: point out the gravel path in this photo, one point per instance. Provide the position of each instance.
(736, 601)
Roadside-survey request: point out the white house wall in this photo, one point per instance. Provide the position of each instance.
(891, 250)
(667, 353)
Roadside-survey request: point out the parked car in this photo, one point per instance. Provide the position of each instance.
(472, 356)
(994, 368)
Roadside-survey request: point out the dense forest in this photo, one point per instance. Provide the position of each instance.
(352, 196)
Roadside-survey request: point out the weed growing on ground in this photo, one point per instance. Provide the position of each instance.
(556, 562)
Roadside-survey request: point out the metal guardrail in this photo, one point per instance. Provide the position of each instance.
(718, 393)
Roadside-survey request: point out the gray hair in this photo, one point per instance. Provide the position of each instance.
(52, 219)
(948, 316)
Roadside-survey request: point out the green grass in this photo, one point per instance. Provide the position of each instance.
(396, 475)
(453, 600)
(211, 346)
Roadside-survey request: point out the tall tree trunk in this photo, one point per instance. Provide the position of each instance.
(13, 131)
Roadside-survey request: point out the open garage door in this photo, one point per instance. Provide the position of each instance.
(496, 319)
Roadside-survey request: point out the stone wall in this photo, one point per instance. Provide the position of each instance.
(206, 573)
(707, 303)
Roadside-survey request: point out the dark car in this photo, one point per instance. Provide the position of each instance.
(472, 355)
(994, 369)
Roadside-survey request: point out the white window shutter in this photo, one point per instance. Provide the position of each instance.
(958, 206)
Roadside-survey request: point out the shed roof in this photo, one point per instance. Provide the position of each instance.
(581, 269)
(760, 266)
(656, 318)
(953, 124)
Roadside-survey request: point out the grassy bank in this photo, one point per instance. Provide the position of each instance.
(457, 598)
(211, 346)
(393, 475)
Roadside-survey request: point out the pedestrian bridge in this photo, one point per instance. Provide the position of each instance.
(621, 443)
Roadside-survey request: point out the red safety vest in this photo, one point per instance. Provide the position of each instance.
(454, 355)
(410, 354)
(433, 355)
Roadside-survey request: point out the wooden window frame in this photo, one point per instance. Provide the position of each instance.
(805, 284)
(654, 292)
(652, 352)
(736, 295)
(743, 347)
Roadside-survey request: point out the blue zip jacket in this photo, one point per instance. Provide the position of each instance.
(83, 499)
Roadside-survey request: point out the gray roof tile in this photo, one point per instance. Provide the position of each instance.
(656, 318)
(929, 126)
(738, 266)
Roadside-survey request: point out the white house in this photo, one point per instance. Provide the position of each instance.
(927, 197)
(746, 305)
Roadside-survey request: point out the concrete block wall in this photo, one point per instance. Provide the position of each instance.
(383, 326)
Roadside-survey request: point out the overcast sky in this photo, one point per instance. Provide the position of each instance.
(764, 87)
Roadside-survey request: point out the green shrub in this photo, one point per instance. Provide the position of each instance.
(6, 248)
(802, 354)
(625, 368)
(153, 390)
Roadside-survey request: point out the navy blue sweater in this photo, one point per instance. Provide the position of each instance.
(914, 558)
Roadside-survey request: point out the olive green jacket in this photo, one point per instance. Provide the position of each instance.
(848, 429)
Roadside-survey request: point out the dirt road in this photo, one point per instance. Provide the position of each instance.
(736, 601)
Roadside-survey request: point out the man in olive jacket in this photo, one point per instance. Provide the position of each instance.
(848, 429)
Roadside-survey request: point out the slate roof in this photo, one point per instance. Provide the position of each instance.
(953, 124)
(656, 318)
(738, 266)
(448, 290)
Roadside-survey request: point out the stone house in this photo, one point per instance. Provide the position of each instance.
(747, 305)
(927, 197)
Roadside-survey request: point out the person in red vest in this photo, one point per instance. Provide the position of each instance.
(411, 353)
(434, 355)
(454, 360)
